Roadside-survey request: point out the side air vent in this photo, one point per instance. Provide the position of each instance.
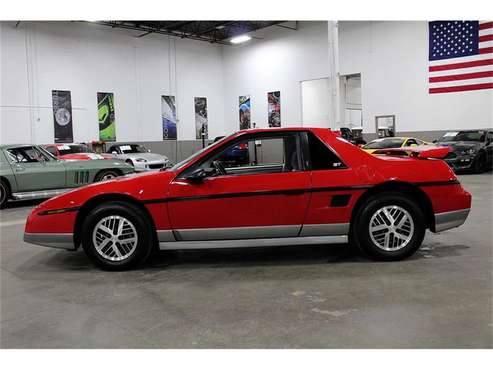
(341, 200)
(81, 177)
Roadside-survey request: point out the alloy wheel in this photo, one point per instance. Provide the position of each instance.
(115, 238)
(391, 228)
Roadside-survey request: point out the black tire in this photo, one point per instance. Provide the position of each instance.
(133, 216)
(105, 175)
(4, 193)
(369, 244)
(480, 163)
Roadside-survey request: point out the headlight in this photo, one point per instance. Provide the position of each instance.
(140, 160)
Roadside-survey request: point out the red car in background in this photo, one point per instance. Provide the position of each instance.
(300, 186)
(75, 152)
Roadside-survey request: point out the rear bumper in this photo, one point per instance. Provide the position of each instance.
(449, 220)
(61, 241)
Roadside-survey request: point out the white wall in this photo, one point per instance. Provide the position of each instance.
(392, 58)
(87, 58)
(280, 61)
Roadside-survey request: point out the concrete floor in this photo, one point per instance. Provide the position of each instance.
(296, 297)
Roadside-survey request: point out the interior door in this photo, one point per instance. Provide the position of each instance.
(260, 195)
(34, 170)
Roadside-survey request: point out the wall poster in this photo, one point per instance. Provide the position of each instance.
(62, 116)
(245, 112)
(106, 114)
(274, 108)
(201, 123)
(168, 117)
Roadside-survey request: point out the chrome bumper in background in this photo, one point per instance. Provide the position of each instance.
(62, 241)
(449, 220)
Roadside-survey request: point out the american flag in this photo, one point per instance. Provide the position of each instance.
(460, 56)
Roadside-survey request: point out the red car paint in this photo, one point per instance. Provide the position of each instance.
(287, 198)
(55, 148)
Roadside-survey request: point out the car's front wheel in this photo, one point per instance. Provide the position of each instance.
(117, 236)
(389, 227)
(106, 175)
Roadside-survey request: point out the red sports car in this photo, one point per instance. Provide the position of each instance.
(300, 186)
(75, 152)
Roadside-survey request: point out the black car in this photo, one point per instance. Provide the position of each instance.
(470, 149)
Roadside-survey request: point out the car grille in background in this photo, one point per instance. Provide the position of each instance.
(156, 166)
(81, 177)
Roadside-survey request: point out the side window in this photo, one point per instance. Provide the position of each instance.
(112, 149)
(26, 155)
(411, 142)
(254, 156)
(321, 157)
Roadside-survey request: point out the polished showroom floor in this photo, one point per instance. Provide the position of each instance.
(308, 297)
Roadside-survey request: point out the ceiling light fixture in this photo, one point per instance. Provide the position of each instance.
(240, 39)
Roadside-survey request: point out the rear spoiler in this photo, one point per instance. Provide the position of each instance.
(422, 151)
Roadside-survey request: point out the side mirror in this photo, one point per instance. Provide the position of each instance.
(200, 174)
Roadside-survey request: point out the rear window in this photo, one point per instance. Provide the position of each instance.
(321, 157)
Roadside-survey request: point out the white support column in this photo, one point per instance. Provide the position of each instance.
(334, 96)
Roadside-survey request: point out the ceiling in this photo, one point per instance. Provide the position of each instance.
(211, 31)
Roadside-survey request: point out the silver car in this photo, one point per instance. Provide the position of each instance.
(139, 157)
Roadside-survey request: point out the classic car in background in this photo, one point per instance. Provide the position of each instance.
(316, 189)
(74, 151)
(392, 142)
(236, 155)
(29, 172)
(139, 157)
(470, 150)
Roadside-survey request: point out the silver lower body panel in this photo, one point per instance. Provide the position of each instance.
(242, 243)
(61, 241)
(449, 220)
(39, 194)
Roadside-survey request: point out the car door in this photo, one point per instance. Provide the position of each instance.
(36, 170)
(263, 196)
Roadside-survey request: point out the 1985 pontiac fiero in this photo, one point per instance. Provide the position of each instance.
(300, 186)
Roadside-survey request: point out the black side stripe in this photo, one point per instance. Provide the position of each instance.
(257, 193)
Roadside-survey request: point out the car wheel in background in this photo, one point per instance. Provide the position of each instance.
(4, 193)
(117, 236)
(106, 175)
(129, 162)
(480, 163)
(389, 227)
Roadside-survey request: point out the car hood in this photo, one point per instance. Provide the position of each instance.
(150, 157)
(146, 186)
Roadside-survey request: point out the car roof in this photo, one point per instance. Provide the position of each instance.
(284, 129)
(12, 146)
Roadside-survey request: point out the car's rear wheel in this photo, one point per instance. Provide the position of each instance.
(4, 193)
(117, 236)
(106, 175)
(389, 227)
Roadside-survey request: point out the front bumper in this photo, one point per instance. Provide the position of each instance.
(449, 220)
(53, 240)
(460, 162)
(150, 166)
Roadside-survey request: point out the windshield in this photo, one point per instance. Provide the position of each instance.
(463, 136)
(385, 143)
(73, 149)
(133, 148)
(185, 161)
